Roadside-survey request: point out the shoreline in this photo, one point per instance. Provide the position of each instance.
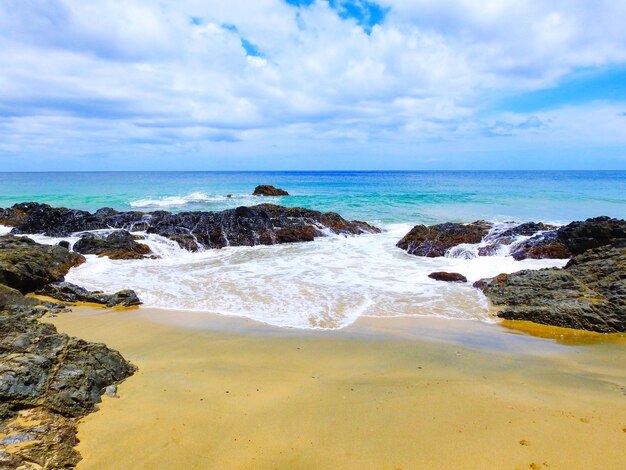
(382, 393)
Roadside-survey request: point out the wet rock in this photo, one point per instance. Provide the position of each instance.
(68, 292)
(65, 244)
(116, 245)
(436, 240)
(27, 266)
(264, 224)
(589, 293)
(574, 239)
(544, 246)
(497, 239)
(268, 190)
(447, 277)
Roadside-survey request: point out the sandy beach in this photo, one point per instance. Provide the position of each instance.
(403, 393)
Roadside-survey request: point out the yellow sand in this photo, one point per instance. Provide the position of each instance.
(383, 394)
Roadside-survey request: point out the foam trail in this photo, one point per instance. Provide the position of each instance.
(327, 283)
(197, 198)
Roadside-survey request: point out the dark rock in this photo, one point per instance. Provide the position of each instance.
(116, 245)
(436, 240)
(27, 266)
(65, 244)
(264, 224)
(497, 238)
(447, 277)
(268, 190)
(589, 293)
(544, 246)
(68, 292)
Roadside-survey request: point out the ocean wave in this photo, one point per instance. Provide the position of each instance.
(194, 198)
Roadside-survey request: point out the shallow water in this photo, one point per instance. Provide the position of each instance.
(330, 282)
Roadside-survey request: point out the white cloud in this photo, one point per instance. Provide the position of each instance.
(142, 76)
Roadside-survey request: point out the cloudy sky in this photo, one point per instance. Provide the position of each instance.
(312, 84)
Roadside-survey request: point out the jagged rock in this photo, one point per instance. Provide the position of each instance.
(436, 240)
(27, 266)
(589, 293)
(264, 224)
(447, 277)
(116, 245)
(268, 190)
(508, 236)
(68, 292)
(573, 239)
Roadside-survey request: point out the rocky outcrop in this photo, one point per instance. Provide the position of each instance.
(47, 379)
(68, 292)
(499, 238)
(27, 266)
(574, 239)
(589, 293)
(264, 224)
(268, 190)
(119, 244)
(436, 240)
(447, 277)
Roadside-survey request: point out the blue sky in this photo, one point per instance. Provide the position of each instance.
(312, 84)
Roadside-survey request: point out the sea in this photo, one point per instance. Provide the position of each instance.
(331, 282)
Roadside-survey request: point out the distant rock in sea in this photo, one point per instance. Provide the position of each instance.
(269, 190)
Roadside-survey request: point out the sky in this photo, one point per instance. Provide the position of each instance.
(312, 84)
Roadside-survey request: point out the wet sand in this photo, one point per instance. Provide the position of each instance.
(397, 393)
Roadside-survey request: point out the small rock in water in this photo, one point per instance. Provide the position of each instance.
(447, 277)
(268, 190)
(111, 391)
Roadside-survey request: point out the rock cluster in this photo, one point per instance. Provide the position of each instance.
(264, 224)
(47, 379)
(27, 266)
(119, 244)
(435, 240)
(68, 292)
(268, 190)
(589, 293)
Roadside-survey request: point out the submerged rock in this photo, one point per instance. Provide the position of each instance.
(68, 292)
(116, 245)
(447, 277)
(27, 266)
(264, 224)
(589, 293)
(269, 190)
(436, 240)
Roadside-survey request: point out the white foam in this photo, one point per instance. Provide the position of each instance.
(327, 283)
(4, 230)
(194, 198)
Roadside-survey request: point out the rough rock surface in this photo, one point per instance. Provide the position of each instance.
(119, 244)
(264, 224)
(447, 277)
(68, 292)
(436, 240)
(574, 239)
(27, 266)
(268, 190)
(589, 293)
(47, 379)
(497, 239)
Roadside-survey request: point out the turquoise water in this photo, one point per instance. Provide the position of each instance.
(384, 197)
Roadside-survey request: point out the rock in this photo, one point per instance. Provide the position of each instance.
(68, 292)
(573, 239)
(447, 277)
(116, 245)
(264, 224)
(27, 266)
(65, 244)
(497, 238)
(589, 293)
(51, 444)
(436, 240)
(544, 246)
(268, 190)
